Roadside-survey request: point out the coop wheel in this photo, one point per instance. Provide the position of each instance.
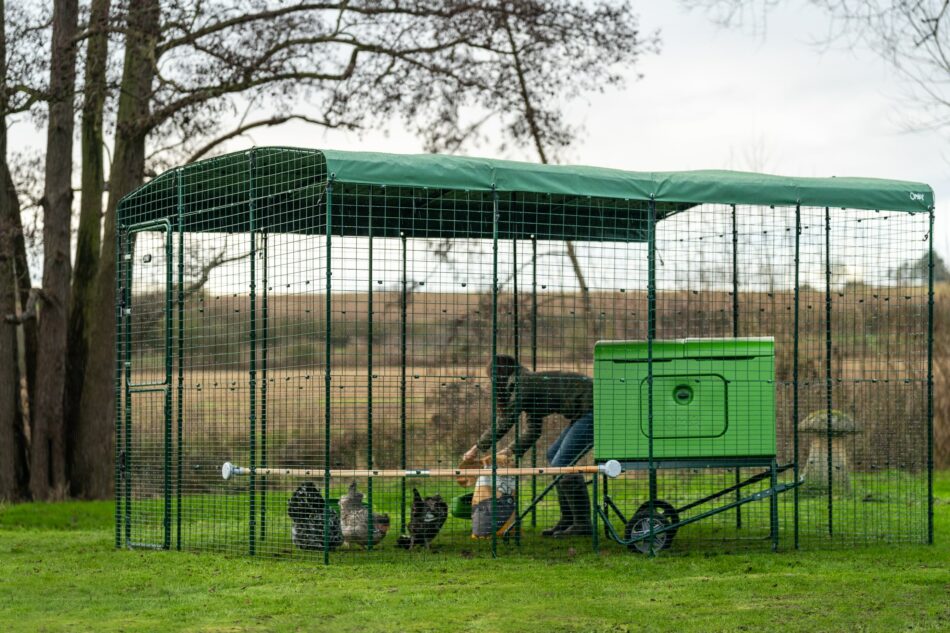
(669, 514)
(639, 525)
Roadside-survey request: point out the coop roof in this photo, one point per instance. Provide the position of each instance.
(677, 187)
(453, 194)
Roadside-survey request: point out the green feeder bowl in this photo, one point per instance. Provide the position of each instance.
(462, 506)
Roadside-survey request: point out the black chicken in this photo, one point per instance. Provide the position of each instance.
(306, 511)
(426, 518)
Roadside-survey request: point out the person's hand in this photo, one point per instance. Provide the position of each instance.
(471, 454)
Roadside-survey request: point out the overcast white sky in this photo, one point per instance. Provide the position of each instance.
(723, 98)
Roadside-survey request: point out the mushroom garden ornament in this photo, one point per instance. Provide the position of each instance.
(822, 427)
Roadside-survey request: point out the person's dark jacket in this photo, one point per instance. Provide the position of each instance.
(538, 395)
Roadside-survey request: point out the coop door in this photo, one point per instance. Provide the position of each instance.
(145, 457)
(686, 406)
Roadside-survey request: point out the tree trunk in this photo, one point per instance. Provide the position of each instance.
(11, 462)
(24, 286)
(48, 455)
(592, 322)
(9, 378)
(79, 442)
(9, 381)
(97, 407)
(535, 131)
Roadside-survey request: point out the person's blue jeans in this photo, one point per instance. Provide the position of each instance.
(573, 442)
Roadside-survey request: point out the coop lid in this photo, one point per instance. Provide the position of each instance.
(637, 351)
(566, 201)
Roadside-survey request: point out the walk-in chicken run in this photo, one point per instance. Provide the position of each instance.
(343, 354)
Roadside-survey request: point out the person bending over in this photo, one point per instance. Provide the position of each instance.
(538, 395)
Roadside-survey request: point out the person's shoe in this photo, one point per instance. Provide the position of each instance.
(575, 530)
(573, 488)
(557, 528)
(566, 519)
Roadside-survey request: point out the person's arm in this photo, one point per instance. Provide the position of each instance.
(507, 417)
(529, 437)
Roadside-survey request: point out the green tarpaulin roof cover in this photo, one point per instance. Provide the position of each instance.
(213, 194)
(689, 187)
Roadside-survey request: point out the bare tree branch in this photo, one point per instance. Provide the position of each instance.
(241, 129)
(206, 268)
(529, 113)
(29, 313)
(911, 36)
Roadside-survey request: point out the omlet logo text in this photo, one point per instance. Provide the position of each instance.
(917, 196)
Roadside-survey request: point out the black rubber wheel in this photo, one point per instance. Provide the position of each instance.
(640, 524)
(669, 513)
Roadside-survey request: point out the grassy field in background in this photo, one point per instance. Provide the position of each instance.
(61, 573)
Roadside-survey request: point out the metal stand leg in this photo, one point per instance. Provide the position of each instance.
(595, 525)
(738, 508)
(773, 507)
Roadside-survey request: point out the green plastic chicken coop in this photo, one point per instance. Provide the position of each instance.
(712, 398)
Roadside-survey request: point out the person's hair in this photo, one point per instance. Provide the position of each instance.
(505, 366)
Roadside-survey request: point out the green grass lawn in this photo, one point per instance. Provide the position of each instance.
(61, 573)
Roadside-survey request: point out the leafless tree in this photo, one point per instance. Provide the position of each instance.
(166, 82)
(912, 36)
(48, 450)
(192, 65)
(88, 237)
(595, 56)
(9, 376)
(19, 94)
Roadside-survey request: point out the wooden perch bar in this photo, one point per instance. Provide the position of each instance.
(610, 468)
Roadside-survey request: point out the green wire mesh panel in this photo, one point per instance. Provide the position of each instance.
(327, 323)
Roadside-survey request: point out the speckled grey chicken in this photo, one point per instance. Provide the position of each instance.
(306, 511)
(425, 520)
(354, 519)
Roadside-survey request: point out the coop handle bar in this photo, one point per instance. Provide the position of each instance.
(610, 468)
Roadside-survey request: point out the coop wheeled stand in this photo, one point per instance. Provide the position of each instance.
(658, 521)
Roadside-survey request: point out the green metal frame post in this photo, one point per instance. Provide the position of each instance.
(369, 377)
(265, 333)
(328, 331)
(795, 351)
(167, 457)
(516, 340)
(651, 335)
(179, 457)
(119, 351)
(403, 360)
(128, 254)
(252, 363)
(828, 369)
(735, 329)
(494, 373)
(930, 380)
(534, 364)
